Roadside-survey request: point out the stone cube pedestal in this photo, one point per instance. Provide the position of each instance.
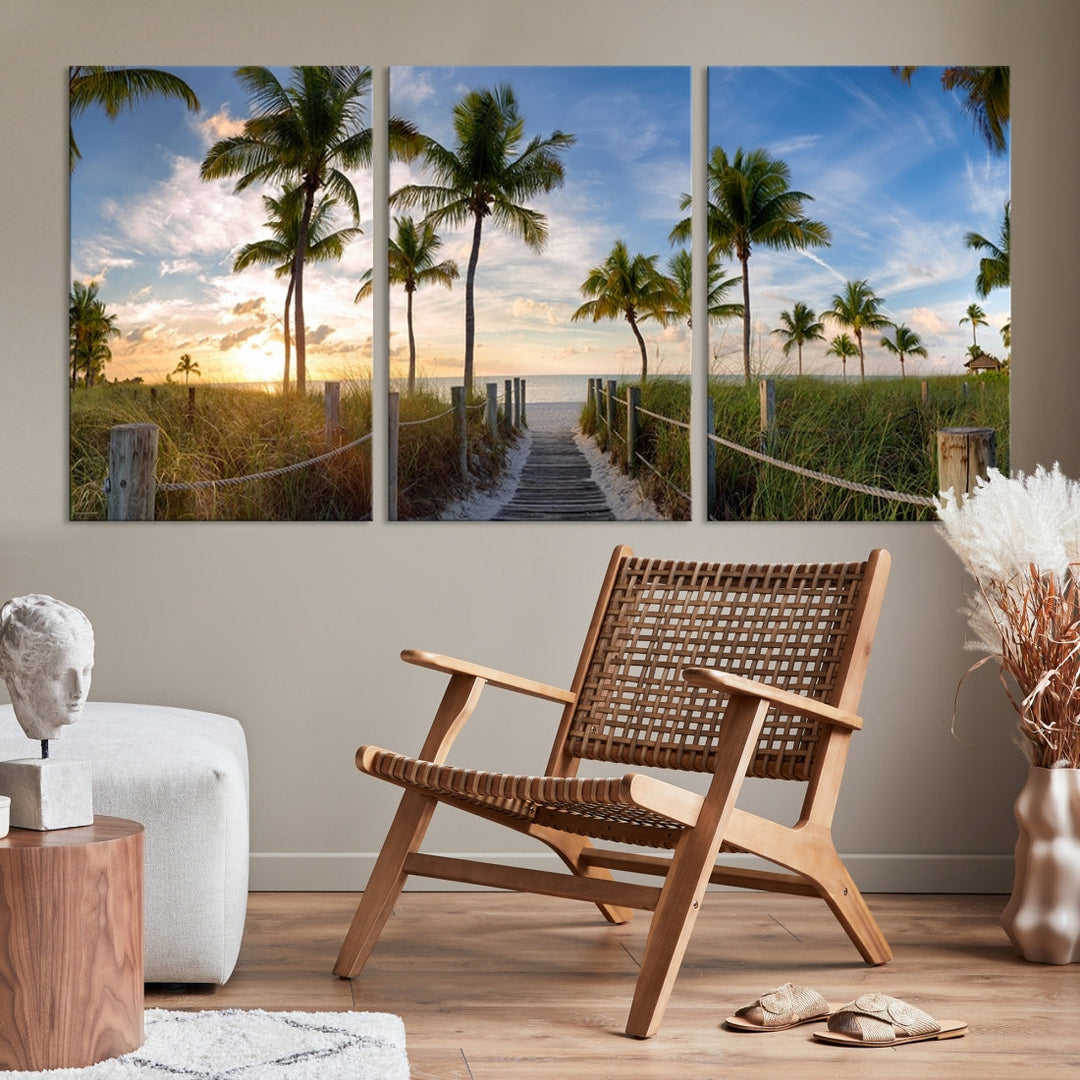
(48, 793)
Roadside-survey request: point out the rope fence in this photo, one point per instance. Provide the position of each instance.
(851, 485)
(203, 485)
(963, 454)
(608, 404)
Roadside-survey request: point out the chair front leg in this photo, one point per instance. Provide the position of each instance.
(407, 830)
(386, 882)
(693, 861)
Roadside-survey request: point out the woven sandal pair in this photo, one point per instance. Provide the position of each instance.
(870, 1020)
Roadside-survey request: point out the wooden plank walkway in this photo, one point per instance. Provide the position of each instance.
(556, 484)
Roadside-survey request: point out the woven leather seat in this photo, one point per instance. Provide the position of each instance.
(692, 667)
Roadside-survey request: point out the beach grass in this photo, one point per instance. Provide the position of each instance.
(880, 433)
(231, 432)
(429, 477)
(663, 448)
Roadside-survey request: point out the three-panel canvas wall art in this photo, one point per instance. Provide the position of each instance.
(527, 294)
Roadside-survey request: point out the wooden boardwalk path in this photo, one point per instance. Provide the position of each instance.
(556, 484)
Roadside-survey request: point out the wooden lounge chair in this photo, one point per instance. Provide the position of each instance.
(725, 670)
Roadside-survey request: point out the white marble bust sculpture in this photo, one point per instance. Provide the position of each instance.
(46, 656)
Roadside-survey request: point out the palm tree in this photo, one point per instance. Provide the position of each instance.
(984, 96)
(90, 325)
(187, 367)
(411, 263)
(751, 202)
(628, 286)
(842, 346)
(800, 326)
(858, 308)
(304, 135)
(904, 342)
(994, 266)
(977, 317)
(116, 88)
(488, 173)
(681, 273)
(279, 250)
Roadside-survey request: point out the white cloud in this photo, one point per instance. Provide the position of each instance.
(221, 125)
(925, 321)
(186, 216)
(178, 266)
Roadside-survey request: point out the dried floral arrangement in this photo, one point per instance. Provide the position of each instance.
(1019, 538)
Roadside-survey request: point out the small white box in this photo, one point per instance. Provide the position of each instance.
(48, 793)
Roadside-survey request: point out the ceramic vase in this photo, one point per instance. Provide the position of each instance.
(1042, 917)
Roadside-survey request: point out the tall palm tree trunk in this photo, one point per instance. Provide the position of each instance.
(903, 373)
(288, 334)
(470, 309)
(799, 346)
(298, 276)
(641, 345)
(743, 260)
(862, 366)
(412, 340)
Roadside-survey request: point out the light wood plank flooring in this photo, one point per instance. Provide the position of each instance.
(507, 987)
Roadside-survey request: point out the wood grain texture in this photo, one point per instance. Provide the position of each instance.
(71, 945)
(484, 1000)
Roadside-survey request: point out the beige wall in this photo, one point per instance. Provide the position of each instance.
(295, 628)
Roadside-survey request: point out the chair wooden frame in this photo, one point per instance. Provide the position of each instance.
(653, 704)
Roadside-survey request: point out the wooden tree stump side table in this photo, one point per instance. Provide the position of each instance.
(71, 945)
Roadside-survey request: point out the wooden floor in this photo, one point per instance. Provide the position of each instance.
(508, 987)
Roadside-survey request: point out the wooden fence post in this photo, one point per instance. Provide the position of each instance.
(393, 430)
(457, 399)
(132, 482)
(524, 419)
(611, 417)
(924, 389)
(767, 398)
(493, 408)
(508, 408)
(517, 402)
(711, 500)
(332, 411)
(964, 454)
(633, 401)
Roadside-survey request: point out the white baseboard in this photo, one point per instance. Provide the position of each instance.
(287, 871)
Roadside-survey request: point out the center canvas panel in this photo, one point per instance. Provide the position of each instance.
(539, 293)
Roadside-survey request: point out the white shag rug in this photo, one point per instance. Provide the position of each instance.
(250, 1044)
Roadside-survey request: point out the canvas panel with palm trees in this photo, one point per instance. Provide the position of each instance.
(864, 213)
(531, 260)
(220, 228)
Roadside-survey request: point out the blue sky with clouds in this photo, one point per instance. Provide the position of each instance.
(161, 243)
(624, 176)
(898, 174)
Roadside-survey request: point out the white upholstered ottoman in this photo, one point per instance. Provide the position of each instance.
(184, 776)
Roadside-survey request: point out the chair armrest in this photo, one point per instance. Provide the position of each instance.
(799, 704)
(451, 666)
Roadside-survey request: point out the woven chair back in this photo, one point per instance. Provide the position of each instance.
(793, 626)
